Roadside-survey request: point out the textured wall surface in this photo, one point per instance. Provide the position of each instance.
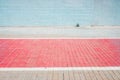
(59, 12)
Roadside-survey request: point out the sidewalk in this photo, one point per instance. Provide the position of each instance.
(59, 52)
(60, 48)
(60, 32)
(60, 75)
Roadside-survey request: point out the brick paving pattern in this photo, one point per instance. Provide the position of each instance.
(59, 52)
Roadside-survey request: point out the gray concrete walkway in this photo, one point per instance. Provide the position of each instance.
(61, 75)
(60, 32)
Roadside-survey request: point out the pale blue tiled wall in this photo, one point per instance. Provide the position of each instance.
(59, 12)
(107, 12)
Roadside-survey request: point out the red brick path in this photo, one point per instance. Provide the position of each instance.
(59, 52)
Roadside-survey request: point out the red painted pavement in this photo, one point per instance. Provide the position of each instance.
(59, 52)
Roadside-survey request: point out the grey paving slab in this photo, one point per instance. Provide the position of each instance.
(61, 75)
(59, 32)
